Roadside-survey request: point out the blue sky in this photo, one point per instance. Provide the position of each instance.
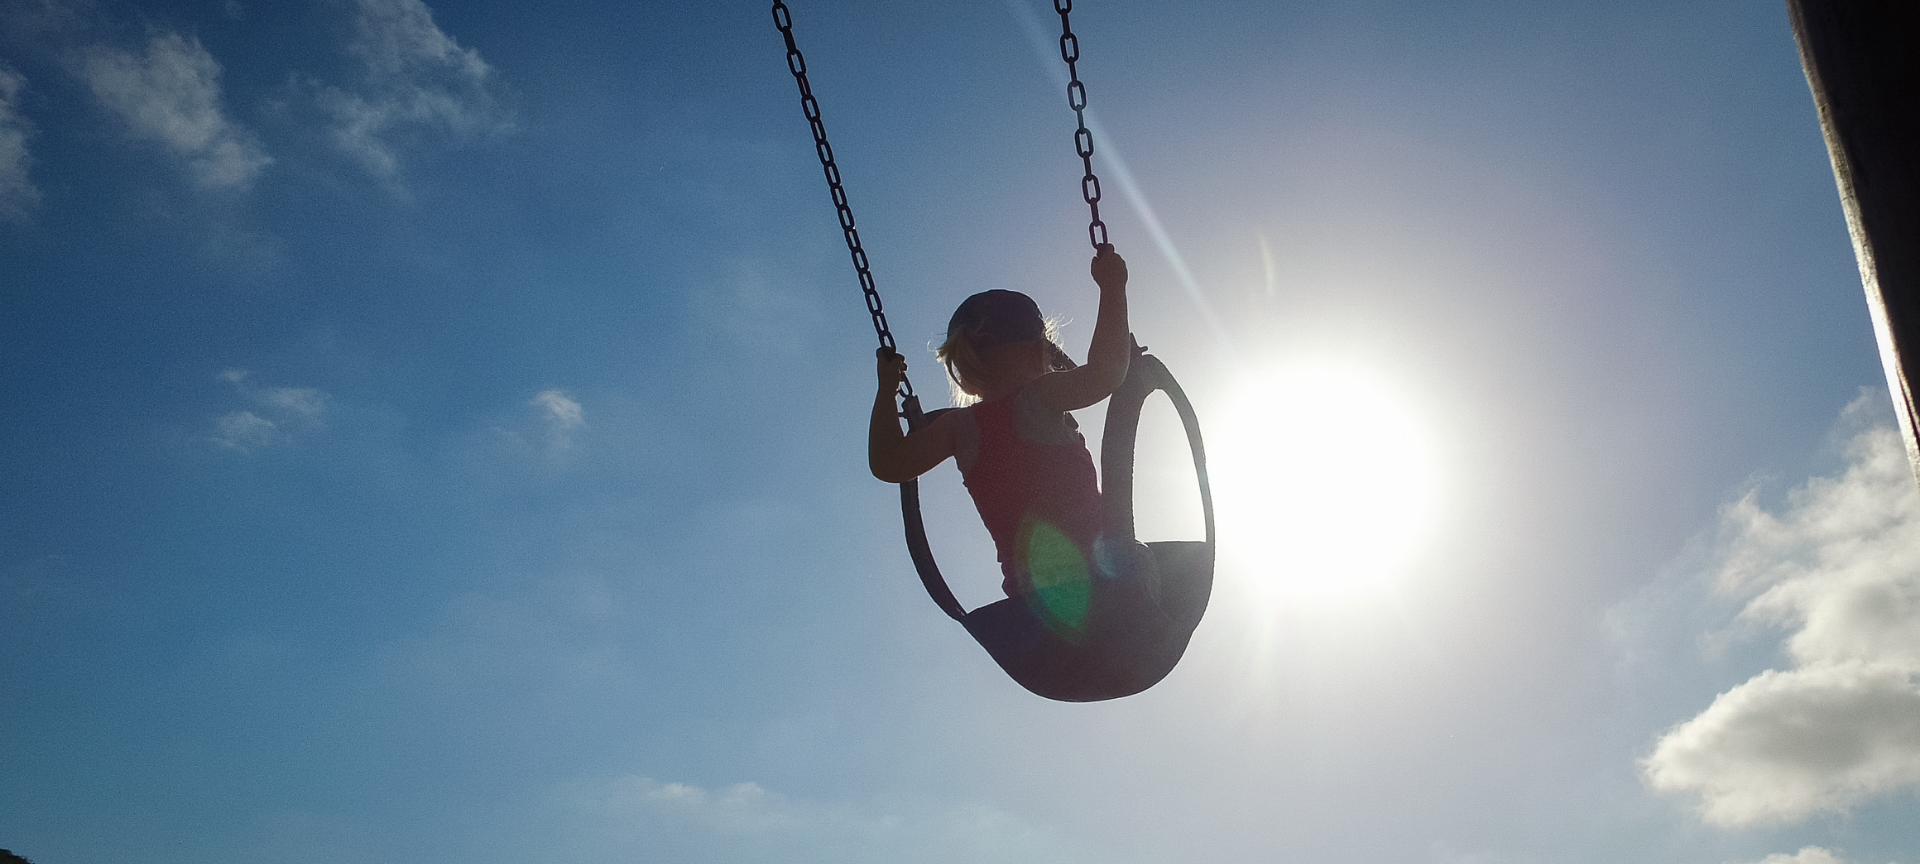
(436, 434)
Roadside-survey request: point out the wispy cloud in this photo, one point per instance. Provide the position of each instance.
(36, 19)
(1809, 855)
(18, 196)
(740, 807)
(170, 94)
(542, 432)
(276, 413)
(633, 817)
(758, 312)
(562, 416)
(244, 430)
(416, 78)
(298, 401)
(1840, 567)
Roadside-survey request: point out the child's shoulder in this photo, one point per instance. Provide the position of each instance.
(1039, 422)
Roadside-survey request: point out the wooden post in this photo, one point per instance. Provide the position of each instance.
(1862, 59)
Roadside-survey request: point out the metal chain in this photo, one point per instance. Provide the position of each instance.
(797, 64)
(1082, 139)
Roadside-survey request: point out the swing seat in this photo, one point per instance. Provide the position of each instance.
(1137, 630)
(1137, 623)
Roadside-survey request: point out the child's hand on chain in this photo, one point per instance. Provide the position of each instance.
(891, 369)
(1109, 269)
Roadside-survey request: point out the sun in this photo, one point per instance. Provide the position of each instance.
(1325, 478)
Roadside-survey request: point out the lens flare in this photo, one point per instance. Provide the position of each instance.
(1325, 477)
(1061, 585)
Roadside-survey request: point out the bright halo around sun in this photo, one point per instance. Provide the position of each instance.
(1325, 479)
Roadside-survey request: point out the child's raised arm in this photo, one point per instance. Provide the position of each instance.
(1112, 348)
(891, 455)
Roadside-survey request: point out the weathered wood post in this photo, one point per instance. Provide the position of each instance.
(1862, 59)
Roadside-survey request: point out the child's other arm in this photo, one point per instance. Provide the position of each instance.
(1111, 351)
(892, 455)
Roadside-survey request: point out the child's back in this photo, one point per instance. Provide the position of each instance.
(1022, 456)
(1033, 482)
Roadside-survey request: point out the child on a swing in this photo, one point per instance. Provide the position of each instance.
(1019, 451)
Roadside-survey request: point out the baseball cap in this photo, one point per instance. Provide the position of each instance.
(998, 317)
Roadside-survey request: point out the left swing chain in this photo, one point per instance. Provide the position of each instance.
(797, 64)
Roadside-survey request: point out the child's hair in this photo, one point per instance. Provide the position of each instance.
(993, 318)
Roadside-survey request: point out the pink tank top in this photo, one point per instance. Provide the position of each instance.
(1040, 500)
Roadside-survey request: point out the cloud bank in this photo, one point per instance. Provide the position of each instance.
(415, 78)
(1839, 566)
(18, 196)
(171, 95)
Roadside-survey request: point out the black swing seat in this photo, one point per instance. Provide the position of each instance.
(1136, 626)
(1134, 634)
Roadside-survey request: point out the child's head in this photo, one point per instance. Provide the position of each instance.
(994, 336)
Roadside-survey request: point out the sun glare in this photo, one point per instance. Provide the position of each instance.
(1325, 479)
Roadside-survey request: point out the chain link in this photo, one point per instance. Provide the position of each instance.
(1082, 139)
(797, 64)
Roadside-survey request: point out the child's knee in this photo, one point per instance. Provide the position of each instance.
(1120, 558)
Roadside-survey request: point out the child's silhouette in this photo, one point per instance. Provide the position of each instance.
(1020, 452)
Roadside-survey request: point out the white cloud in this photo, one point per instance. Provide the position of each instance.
(304, 401)
(171, 95)
(1809, 855)
(740, 807)
(562, 413)
(244, 430)
(1785, 745)
(541, 432)
(18, 196)
(287, 410)
(638, 818)
(1840, 566)
(416, 78)
(562, 416)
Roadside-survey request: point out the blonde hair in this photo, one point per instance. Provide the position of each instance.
(966, 372)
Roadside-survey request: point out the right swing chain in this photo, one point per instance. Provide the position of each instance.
(1082, 139)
